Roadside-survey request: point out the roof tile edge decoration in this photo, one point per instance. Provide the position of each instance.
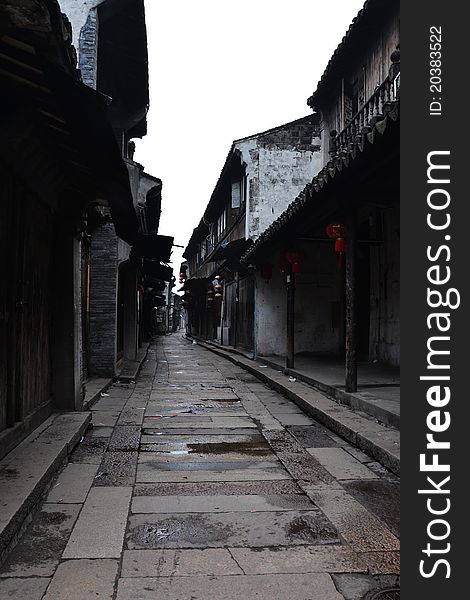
(327, 174)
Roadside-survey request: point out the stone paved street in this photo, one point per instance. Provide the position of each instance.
(199, 482)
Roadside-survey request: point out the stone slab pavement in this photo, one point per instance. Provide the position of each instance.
(198, 481)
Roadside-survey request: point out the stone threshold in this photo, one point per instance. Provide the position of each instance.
(27, 472)
(355, 400)
(377, 440)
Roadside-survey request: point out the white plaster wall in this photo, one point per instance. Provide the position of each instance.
(77, 12)
(135, 170)
(276, 174)
(317, 287)
(145, 184)
(283, 174)
(249, 156)
(270, 314)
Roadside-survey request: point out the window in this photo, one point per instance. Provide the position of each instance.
(236, 194)
(222, 223)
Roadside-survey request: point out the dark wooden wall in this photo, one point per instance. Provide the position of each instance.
(26, 242)
(246, 312)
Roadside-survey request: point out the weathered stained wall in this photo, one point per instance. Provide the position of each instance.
(316, 298)
(279, 164)
(283, 174)
(270, 314)
(77, 12)
(385, 293)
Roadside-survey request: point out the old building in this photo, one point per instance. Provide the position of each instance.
(327, 269)
(81, 258)
(58, 156)
(261, 174)
(110, 37)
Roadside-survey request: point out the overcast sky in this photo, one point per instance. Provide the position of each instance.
(222, 70)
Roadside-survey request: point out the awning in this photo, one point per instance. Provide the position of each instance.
(231, 249)
(195, 284)
(157, 271)
(154, 247)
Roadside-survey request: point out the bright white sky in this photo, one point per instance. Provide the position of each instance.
(222, 70)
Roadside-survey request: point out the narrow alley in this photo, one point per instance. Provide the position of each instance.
(199, 481)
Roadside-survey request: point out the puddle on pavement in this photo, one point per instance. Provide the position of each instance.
(304, 528)
(235, 447)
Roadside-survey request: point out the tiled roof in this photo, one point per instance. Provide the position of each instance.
(365, 18)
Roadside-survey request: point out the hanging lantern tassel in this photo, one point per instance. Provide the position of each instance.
(267, 271)
(283, 264)
(337, 232)
(295, 259)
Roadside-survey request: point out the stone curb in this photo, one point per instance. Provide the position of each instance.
(96, 394)
(378, 441)
(353, 400)
(27, 472)
(131, 369)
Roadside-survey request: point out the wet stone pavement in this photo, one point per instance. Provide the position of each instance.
(198, 482)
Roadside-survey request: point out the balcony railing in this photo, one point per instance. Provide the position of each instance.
(372, 111)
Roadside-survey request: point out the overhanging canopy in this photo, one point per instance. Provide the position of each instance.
(157, 271)
(154, 247)
(231, 249)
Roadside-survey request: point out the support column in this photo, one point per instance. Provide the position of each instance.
(237, 309)
(290, 342)
(342, 307)
(66, 372)
(351, 337)
(255, 316)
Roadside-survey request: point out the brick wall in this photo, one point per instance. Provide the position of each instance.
(88, 49)
(103, 295)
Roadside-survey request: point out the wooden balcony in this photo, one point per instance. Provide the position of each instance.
(375, 109)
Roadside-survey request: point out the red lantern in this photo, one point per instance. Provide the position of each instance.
(337, 232)
(295, 259)
(340, 245)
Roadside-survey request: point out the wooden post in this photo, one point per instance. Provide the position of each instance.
(290, 320)
(342, 306)
(237, 309)
(351, 338)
